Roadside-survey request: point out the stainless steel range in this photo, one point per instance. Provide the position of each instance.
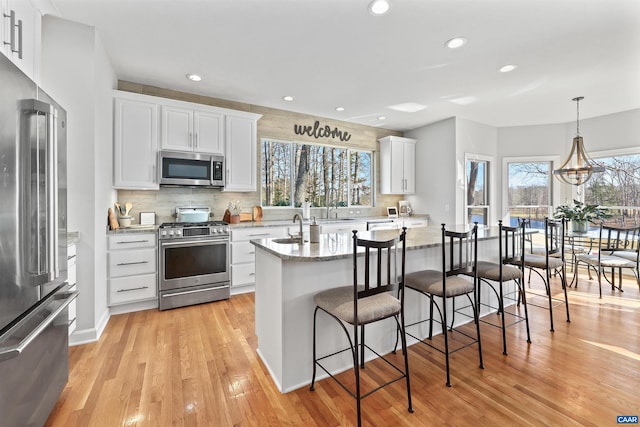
(194, 263)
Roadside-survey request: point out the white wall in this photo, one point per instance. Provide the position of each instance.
(435, 166)
(475, 139)
(77, 74)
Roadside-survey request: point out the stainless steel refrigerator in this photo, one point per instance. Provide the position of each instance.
(34, 354)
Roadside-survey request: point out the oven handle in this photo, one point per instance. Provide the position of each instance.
(194, 291)
(200, 242)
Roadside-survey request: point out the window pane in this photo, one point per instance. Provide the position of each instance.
(276, 173)
(477, 176)
(320, 174)
(479, 215)
(360, 178)
(529, 191)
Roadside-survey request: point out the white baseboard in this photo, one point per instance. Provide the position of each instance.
(243, 289)
(89, 335)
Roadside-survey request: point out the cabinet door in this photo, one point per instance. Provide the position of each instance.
(23, 33)
(209, 132)
(240, 153)
(177, 128)
(409, 167)
(397, 170)
(135, 144)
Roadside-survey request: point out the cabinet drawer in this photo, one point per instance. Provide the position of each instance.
(71, 251)
(129, 289)
(132, 241)
(243, 274)
(242, 252)
(129, 263)
(71, 275)
(256, 233)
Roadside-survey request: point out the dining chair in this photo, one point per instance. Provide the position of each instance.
(508, 267)
(457, 277)
(616, 248)
(551, 260)
(362, 303)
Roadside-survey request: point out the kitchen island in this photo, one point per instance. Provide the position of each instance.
(288, 275)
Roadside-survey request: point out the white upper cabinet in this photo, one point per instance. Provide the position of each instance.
(397, 165)
(241, 151)
(20, 34)
(135, 141)
(189, 129)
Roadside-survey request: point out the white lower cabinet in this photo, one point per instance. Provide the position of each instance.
(343, 227)
(73, 286)
(243, 255)
(132, 268)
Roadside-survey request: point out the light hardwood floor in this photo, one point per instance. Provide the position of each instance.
(197, 366)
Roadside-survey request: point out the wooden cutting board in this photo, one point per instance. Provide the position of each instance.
(257, 213)
(113, 222)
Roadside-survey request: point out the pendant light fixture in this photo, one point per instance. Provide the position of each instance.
(579, 167)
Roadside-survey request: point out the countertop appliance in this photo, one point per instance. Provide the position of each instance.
(404, 208)
(188, 169)
(194, 263)
(34, 296)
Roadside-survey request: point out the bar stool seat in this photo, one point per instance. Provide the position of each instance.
(540, 261)
(339, 303)
(491, 271)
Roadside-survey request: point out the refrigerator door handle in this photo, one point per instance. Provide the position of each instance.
(15, 350)
(46, 257)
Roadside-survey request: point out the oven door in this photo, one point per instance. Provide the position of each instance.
(193, 262)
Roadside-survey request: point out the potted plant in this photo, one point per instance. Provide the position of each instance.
(580, 214)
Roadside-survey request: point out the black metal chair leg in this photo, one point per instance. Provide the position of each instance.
(504, 331)
(548, 286)
(313, 377)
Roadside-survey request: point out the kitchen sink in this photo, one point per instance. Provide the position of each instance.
(287, 241)
(325, 220)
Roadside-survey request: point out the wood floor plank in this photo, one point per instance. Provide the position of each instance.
(198, 366)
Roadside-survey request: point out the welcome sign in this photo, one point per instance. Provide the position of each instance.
(316, 131)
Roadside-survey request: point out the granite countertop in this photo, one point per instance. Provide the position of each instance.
(340, 245)
(320, 221)
(136, 228)
(73, 237)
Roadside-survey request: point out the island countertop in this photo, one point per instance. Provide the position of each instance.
(340, 245)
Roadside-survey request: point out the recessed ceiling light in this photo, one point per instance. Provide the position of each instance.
(456, 42)
(508, 68)
(288, 98)
(382, 118)
(408, 107)
(379, 7)
(339, 108)
(194, 77)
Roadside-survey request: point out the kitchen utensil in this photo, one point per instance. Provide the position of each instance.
(128, 207)
(119, 209)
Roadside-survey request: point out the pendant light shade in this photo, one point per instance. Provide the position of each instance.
(579, 167)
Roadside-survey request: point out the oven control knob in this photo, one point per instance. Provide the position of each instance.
(178, 232)
(170, 232)
(163, 233)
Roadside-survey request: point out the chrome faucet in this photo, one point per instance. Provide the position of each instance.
(299, 217)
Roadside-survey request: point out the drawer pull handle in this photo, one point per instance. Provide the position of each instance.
(252, 274)
(258, 235)
(133, 263)
(252, 252)
(133, 289)
(132, 241)
(72, 320)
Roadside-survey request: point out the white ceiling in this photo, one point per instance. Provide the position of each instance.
(329, 53)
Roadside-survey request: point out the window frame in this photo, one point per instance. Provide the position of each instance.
(489, 179)
(554, 191)
(372, 174)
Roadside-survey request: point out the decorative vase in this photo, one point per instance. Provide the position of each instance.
(580, 226)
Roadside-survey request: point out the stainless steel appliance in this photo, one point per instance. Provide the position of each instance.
(187, 169)
(194, 263)
(33, 251)
(404, 207)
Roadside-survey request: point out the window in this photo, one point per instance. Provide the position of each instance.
(529, 191)
(321, 174)
(618, 187)
(477, 173)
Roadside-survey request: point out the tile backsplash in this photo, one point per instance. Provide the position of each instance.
(164, 202)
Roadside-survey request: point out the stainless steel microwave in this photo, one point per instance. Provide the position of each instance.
(190, 169)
